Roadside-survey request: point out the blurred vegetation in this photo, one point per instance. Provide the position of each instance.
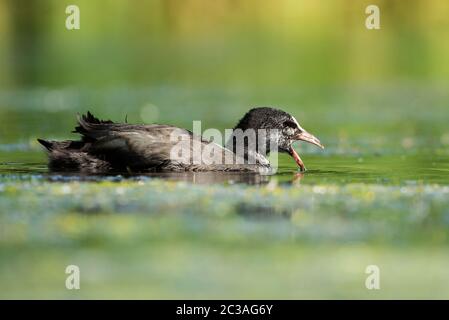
(161, 239)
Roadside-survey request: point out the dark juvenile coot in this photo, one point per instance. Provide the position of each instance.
(107, 146)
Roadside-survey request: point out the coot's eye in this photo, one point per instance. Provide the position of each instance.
(289, 131)
(289, 127)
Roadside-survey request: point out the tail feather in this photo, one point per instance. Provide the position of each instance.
(47, 144)
(88, 124)
(68, 145)
(74, 155)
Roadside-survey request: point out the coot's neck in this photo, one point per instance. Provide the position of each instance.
(249, 145)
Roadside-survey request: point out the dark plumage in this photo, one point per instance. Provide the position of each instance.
(106, 146)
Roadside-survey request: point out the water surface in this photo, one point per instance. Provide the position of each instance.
(378, 194)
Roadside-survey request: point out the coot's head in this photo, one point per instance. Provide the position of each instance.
(287, 127)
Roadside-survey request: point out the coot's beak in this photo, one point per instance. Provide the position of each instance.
(308, 137)
(303, 136)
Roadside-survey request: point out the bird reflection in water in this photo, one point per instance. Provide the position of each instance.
(200, 178)
(225, 178)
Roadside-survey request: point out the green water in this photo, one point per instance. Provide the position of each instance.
(378, 194)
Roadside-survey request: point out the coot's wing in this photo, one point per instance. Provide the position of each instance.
(158, 147)
(163, 148)
(148, 147)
